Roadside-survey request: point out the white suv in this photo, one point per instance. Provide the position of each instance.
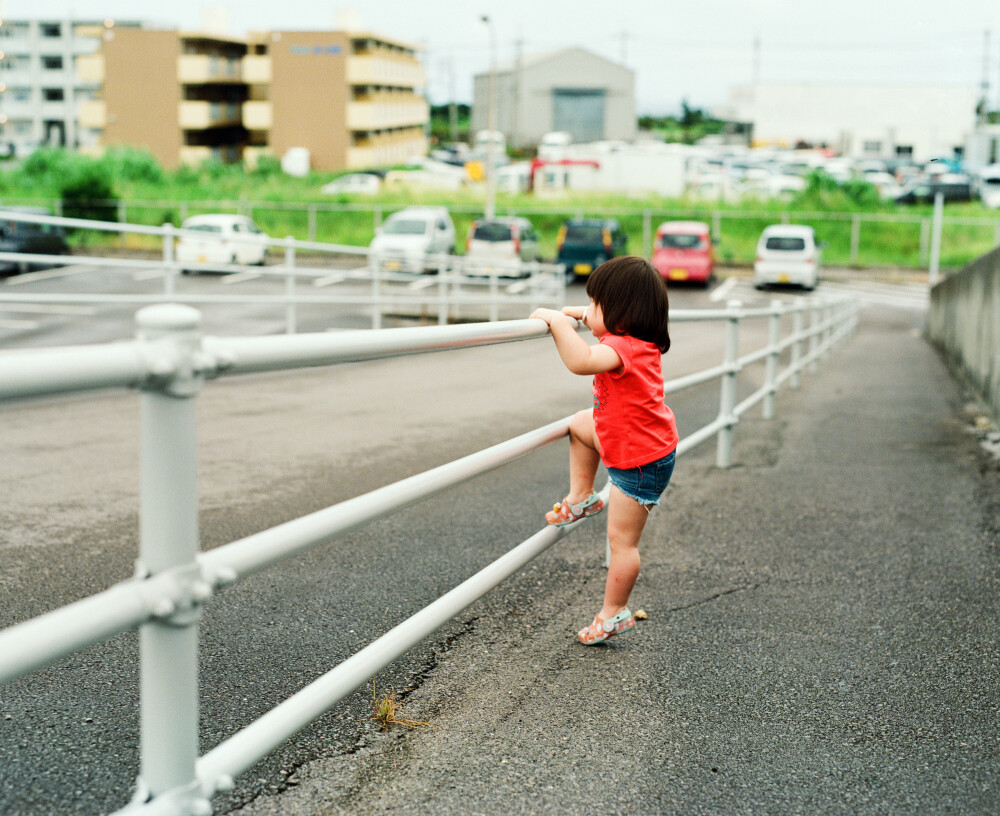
(787, 253)
(409, 240)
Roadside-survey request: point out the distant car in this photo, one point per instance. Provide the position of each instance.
(500, 241)
(354, 183)
(989, 186)
(682, 251)
(585, 243)
(220, 239)
(787, 254)
(409, 239)
(924, 191)
(29, 238)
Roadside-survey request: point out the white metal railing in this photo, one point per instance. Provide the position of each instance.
(169, 362)
(457, 281)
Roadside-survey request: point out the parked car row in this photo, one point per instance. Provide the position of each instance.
(410, 239)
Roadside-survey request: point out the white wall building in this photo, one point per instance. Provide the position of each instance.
(39, 88)
(571, 90)
(917, 122)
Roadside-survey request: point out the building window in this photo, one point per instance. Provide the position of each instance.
(51, 29)
(53, 94)
(904, 151)
(52, 63)
(872, 147)
(20, 94)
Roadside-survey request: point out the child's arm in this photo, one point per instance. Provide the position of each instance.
(579, 357)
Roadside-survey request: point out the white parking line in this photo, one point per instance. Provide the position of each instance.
(239, 277)
(18, 324)
(723, 289)
(64, 271)
(329, 280)
(517, 288)
(41, 308)
(422, 283)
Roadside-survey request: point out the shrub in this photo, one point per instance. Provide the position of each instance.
(130, 164)
(87, 192)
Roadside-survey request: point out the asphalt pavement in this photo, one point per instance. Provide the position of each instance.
(822, 617)
(822, 634)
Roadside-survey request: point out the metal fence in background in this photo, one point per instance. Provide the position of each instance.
(853, 238)
(455, 283)
(169, 363)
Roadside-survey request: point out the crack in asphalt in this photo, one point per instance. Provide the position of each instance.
(716, 596)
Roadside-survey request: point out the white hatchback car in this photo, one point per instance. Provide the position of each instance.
(409, 239)
(220, 239)
(787, 254)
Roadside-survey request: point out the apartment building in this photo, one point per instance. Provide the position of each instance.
(39, 89)
(351, 99)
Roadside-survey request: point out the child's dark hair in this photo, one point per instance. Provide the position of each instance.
(633, 297)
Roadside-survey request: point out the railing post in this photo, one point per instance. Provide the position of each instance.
(727, 394)
(771, 364)
(647, 234)
(291, 310)
(443, 275)
(796, 356)
(855, 238)
(813, 334)
(312, 222)
(377, 295)
(717, 226)
(168, 541)
(494, 295)
(169, 278)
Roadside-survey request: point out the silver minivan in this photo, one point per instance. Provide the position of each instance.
(413, 240)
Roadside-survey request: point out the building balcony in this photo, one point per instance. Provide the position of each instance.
(381, 115)
(257, 69)
(195, 155)
(90, 69)
(376, 70)
(93, 113)
(386, 150)
(257, 115)
(193, 69)
(203, 115)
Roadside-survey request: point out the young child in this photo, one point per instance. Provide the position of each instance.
(629, 428)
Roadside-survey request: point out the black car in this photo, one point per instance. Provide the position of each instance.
(585, 243)
(29, 238)
(923, 192)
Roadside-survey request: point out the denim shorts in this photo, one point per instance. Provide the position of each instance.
(645, 483)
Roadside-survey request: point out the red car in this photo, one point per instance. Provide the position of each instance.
(682, 251)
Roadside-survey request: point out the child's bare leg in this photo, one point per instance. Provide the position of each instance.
(583, 456)
(626, 520)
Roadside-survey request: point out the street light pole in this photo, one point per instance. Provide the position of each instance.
(491, 123)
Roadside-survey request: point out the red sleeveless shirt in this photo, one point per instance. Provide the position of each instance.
(633, 424)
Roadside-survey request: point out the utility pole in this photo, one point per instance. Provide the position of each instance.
(755, 73)
(491, 170)
(515, 135)
(452, 105)
(984, 86)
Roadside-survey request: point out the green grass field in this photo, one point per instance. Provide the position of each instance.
(135, 187)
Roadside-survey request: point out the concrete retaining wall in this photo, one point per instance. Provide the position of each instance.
(964, 321)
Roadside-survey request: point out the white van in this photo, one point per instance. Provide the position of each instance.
(989, 186)
(554, 145)
(409, 240)
(787, 253)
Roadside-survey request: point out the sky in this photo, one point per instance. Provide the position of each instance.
(693, 51)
